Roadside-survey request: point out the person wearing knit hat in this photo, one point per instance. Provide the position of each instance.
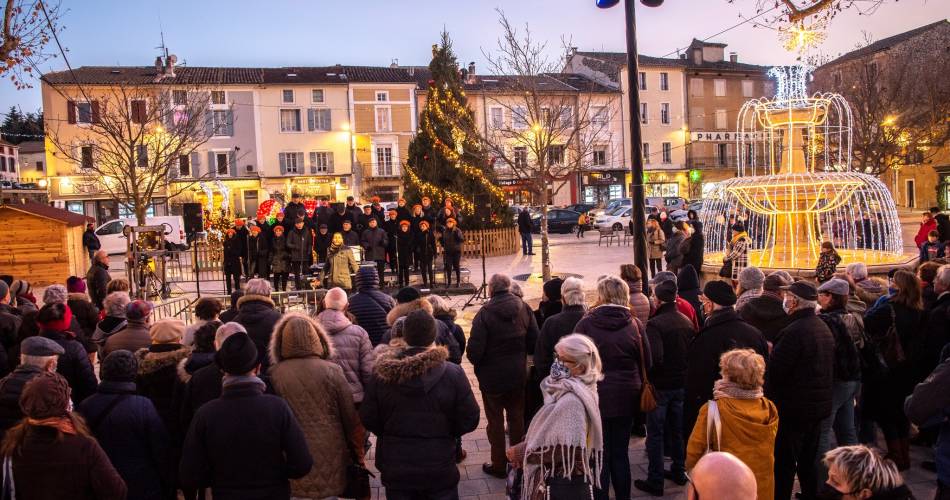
(404, 254)
(135, 334)
(128, 428)
(54, 321)
(158, 367)
(21, 296)
(60, 459)
(75, 284)
(723, 331)
(749, 286)
(245, 420)
(550, 301)
(394, 408)
(407, 294)
(452, 241)
(55, 294)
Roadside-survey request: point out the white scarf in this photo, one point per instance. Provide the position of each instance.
(560, 427)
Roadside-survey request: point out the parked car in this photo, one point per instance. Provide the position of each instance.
(667, 203)
(559, 221)
(581, 208)
(114, 242)
(620, 217)
(611, 206)
(696, 205)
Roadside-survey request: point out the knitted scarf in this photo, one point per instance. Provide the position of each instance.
(739, 236)
(726, 389)
(334, 248)
(558, 431)
(62, 424)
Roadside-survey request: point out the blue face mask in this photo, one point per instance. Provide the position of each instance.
(559, 371)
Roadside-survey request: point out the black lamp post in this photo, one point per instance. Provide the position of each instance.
(638, 213)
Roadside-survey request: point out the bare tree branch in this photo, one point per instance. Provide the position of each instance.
(26, 32)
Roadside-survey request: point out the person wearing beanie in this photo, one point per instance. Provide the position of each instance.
(135, 335)
(202, 353)
(799, 381)
(129, 429)
(37, 355)
(352, 348)
(409, 299)
(750, 284)
(98, 278)
(158, 369)
(418, 405)
(452, 241)
(304, 374)
(245, 444)
(669, 333)
(723, 331)
(370, 305)
(684, 306)
(52, 453)
(550, 301)
(405, 258)
(85, 313)
(21, 296)
(766, 312)
(53, 321)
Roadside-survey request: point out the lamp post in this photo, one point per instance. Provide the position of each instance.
(638, 212)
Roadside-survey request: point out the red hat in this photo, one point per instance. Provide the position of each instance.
(255, 229)
(416, 205)
(423, 221)
(404, 223)
(239, 222)
(278, 228)
(374, 199)
(451, 219)
(230, 232)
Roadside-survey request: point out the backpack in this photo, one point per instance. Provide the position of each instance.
(847, 360)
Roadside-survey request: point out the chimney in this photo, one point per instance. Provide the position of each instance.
(170, 65)
(733, 57)
(470, 77)
(159, 66)
(394, 64)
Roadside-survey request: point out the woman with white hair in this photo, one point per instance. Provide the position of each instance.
(562, 453)
(625, 353)
(858, 472)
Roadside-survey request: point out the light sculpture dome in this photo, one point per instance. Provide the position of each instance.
(796, 188)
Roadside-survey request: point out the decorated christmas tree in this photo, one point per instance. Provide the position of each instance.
(446, 159)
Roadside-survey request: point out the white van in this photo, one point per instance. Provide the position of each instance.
(114, 242)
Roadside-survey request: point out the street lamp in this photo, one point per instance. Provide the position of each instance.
(638, 213)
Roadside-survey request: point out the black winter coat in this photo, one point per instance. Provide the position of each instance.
(321, 243)
(553, 329)
(404, 248)
(943, 226)
(87, 315)
(204, 385)
(452, 240)
(766, 313)
(618, 336)
(418, 405)
(300, 244)
(936, 335)
(423, 245)
(97, 278)
(502, 332)
(134, 438)
(670, 333)
(157, 378)
(687, 282)
(724, 330)
(392, 229)
(336, 221)
(292, 211)
(800, 373)
(847, 366)
(90, 240)
(74, 365)
(374, 243)
(455, 330)
(877, 321)
(694, 251)
(279, 256)
(244, 445)
(11, 387)
(10, 322)
(351, 238)
(524, 222)
(370, 306)
(232, 255)
(257, 315)
(403, 213)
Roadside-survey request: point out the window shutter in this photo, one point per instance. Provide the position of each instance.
(138, 111)
(173, 170)
(313, 162)
(330, 162)
(323, 122)
(209, 122)
(232, 163)
(195, 163)
(283, 163)
(230, 122)
(212, 168)
(300, 164)
(95, 111)
(71, 111)
(311, 120)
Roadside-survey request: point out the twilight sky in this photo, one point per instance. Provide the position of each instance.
(374, 32)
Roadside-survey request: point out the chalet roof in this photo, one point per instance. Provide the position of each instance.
(70, 219)
(199, 75)
(27, 147)
(887, 43)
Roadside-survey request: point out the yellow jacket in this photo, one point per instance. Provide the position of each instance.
(748, 432)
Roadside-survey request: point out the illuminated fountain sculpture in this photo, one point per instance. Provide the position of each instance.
(795, 186)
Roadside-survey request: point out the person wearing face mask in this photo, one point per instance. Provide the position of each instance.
(563, 447)
(300, 248)
(340, 265)
(859, 473)
(724, 330)
(666, 224)
(799, 381)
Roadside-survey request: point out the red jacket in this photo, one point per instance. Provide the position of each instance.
(925, 229)
(684, 307)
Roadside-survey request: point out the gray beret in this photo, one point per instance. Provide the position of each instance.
(40, 346)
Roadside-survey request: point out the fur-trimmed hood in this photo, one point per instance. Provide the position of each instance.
(152, 361)
(255, 298)
(401, 310)
(399, 364)
(188, 366)
(78, 296)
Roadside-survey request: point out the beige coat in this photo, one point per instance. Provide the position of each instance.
(316, 390)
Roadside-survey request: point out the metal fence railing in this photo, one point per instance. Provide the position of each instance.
(181, 308)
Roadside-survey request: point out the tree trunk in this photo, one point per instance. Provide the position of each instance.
(140, 210)
(545, 249)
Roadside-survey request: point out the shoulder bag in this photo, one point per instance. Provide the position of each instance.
(647, 395)
(713, 424)
(357, 482)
